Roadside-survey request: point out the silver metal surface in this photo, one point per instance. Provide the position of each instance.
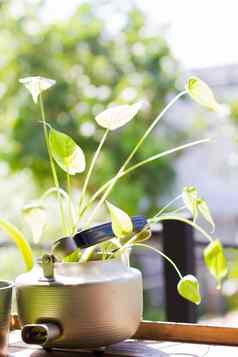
(95, 304)
(6, 288)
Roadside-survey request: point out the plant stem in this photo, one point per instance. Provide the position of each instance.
(87, 254)
(126, 245)
(168, 205)
(90, 170)
(64, 195)
(179, 209)
(54, 190)
(70, 203)
(53, 170)
(171, 217)
(162, 254)
(136, 148)
(139, 164)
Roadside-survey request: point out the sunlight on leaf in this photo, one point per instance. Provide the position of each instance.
(189, 196)
(122, 225)
(35, 217)
(37, 85)
(188, 288)
(216, 261)
(115, 117)
(200, 92)
(205, 211)
(20, 241)
(68, 155)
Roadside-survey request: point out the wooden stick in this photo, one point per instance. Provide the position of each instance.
(193, 333)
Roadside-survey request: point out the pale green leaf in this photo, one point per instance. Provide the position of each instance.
(68, 155)
(188, 288)
(200, 92)
(143, 235)
(111, 245)
(35, 217)
(216, 261)
(115, 117)
(205, 211)
(20, 241)
(189, 196)
(122, 225)
(36, 85)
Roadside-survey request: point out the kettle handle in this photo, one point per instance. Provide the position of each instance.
(89, 237)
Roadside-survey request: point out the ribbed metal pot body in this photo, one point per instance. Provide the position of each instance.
(95, 304)
(6, 288)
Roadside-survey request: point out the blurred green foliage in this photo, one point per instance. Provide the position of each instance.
(93, 68)
(234, 111)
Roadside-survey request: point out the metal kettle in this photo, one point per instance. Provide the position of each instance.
(72, 305)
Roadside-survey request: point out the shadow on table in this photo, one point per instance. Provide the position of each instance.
(130, 348)
(123, 349)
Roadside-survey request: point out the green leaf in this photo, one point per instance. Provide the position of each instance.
(122, 225)
(189, 196)
(20, 241)
(115, 117)
(110, 245)
(37, 85)
(68, 155)
(188, 288)
(143, 235)
(200, 92)
(73, 257)
(35, 217)
(205, 211)
(216, 261)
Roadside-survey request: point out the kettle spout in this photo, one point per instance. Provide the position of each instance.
(41, 334)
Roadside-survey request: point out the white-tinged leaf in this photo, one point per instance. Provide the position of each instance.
(122, 225)
(205, 211)
(35, 217)
(115, 117)
(216, 261)
(188, 288)
(36, 85)
(201, 93)
(190, 196)
(68, 155)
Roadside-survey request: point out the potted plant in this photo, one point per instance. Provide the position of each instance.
(92, 297)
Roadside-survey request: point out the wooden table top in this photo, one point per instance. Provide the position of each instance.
(132, 348)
